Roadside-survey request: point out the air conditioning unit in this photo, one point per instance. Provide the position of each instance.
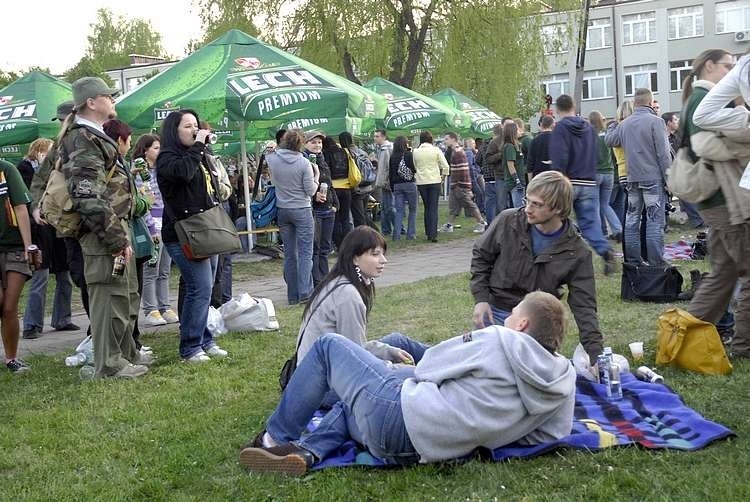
(742, 36)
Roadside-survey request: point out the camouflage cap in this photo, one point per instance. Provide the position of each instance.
(309, 135)
(90, 87)
(63, 110)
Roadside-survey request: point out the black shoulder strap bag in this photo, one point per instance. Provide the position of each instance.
(287, 370)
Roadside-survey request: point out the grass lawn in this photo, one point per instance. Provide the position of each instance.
(175, 434)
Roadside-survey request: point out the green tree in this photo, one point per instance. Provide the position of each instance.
(489, 49)
(7, 77)
(113, 38)
(220, 17)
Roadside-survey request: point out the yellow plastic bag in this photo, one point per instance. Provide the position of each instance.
(687, 342)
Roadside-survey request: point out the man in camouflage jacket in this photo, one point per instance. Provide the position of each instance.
(102, 191)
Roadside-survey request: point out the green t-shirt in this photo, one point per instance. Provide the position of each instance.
(13, 192)
(510, 153)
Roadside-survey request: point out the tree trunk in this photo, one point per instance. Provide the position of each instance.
(348, 64)
(581, 56)
(416, 46)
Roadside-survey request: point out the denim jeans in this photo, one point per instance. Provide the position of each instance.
(516, 195)
(225, 272)
(156, 284)
(387, 212)
(499, 316)
(692, 213)
(586, 207)
(369, 410)
(618, 201)
(648, 194)
(403, 342)
(405, 194)
(323, 244)
(490, 201)
(198, 277)
(297, 230)
(33, 316)
(477, 188)
(605, 182)
(430, 194)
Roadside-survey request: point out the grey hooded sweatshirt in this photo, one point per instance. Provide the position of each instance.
(487, 388)
(292, 175)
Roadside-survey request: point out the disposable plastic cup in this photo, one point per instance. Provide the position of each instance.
(636, 349)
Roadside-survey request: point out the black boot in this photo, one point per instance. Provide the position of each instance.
(695, 280)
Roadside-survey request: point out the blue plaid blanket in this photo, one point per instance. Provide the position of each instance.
(649, 415)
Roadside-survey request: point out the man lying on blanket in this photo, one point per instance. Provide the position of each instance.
(486, 389)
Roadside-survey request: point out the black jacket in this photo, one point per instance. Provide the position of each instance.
(393, 168)
(539, 153)
(325, 177)
(183, 185)
(337, 163)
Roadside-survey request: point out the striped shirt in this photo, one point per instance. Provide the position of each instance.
(459, 164)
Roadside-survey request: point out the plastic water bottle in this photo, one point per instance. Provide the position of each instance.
(85, 356)
(614, 389)
(602, 363)
(86, 372)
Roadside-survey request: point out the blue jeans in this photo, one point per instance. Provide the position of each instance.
(198, 277)
(33, 316)
(226, 278)
(499, 316)
(618, 201)
(387, 211)
(477, 188)
(155, 294)
(692, 213)
(430, 194)
(586, 207)
(605, 181)
(516, 195)
(648, 194)
(325, 220)
(403, 342)
(369, 410)
(405, 194)
(490, 201)
(297, 230)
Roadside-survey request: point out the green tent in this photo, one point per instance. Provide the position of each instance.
(27, 107)
(237, 82)
(410, 113)
(482, 119)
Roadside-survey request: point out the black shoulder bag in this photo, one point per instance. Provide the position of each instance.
(287, 370)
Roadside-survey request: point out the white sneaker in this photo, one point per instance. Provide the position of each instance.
(217, 351)
(146, 350)
(446, 228)
(144, 358)
(200, 357)
(170, 316)
(154, 318)
(480, 228)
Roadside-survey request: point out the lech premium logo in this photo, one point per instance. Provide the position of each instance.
(160, 113)
(404, 112)
(12, 114)
(271, 92)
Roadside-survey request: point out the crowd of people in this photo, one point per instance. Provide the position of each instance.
(407, 402)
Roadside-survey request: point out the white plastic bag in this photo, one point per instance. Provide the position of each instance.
(582, 364)
(215, 322)
(249, 314)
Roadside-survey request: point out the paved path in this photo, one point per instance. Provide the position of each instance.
(404, 266)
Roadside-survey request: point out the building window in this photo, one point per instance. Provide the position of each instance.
(685, 22)
(600, 34)
(641, 76)
(678, 70)
(639, 28)
(555, 38)
(597, 84)
(732, 17)
(555, 85)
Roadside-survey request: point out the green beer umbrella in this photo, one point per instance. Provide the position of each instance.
(482, 119)
(237, 79)
(410, 113)
(28, 105)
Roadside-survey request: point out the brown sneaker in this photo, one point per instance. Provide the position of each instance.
(287, 459)
(131, 371)
(256, 442)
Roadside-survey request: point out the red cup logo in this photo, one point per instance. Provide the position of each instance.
(251, 63)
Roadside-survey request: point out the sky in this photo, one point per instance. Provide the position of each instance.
(52, 33)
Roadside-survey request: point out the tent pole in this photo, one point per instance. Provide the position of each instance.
(246, 186)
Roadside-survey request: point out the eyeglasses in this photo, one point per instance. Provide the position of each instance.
(532, 203)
